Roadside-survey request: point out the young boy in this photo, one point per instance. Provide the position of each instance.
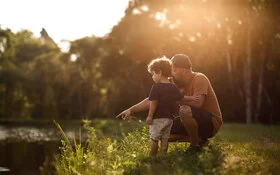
(163, 97)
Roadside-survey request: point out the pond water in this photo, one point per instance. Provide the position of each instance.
(29, 150)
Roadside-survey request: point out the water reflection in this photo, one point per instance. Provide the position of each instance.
(3, 169)
(28, 150)
(31, 134)
(28, 158)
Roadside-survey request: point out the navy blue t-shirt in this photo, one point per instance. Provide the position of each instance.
(166, 94)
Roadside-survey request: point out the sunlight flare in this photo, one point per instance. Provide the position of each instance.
(73, 57)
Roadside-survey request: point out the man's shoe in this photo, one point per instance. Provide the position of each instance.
(203, 142)
(194, 149)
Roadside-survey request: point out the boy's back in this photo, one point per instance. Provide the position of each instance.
(166, 94)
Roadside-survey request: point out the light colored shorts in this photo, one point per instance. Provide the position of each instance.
(160, 129)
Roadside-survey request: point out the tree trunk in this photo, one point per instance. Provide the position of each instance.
(270, 103)
(260, 84)
(8, 100)
(81, 107)
(229, 65)
(248, 76)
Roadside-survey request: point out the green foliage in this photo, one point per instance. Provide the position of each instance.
(237, 149)
(214, 35)
(108, 74)
(101, 155)
(20, 50)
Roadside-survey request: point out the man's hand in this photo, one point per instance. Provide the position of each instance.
(194, 101)
(125, 114)
(195, 97)
(149, 120)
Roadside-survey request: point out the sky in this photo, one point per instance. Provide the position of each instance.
(63, 19)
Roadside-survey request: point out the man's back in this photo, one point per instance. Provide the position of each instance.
(200, 85)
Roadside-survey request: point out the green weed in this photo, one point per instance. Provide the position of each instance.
(237, 149)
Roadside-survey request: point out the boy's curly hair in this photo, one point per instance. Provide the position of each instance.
(162, 64)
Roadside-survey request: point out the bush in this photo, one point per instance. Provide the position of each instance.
(102, 155)
(236, 149)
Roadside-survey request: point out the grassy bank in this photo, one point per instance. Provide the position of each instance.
(236, 149)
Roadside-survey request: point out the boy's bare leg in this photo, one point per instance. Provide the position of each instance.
(163, 147)
(154, 148)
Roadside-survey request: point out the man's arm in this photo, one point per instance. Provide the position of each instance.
(141, 106)
(196, 101)
(200, 87)
(153, 106)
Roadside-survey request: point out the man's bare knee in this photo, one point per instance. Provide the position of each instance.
(185, 112)
(187, 117)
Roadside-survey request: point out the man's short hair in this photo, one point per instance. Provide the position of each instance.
(162, 64)
(181, 61)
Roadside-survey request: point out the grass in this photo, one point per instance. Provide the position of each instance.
(123, 148)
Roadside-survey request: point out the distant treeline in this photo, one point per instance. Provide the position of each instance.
(236, 43)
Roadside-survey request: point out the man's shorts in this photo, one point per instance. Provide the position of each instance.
(203, 119)
(160, 129)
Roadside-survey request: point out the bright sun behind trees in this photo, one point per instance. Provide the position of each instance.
(236, 43)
